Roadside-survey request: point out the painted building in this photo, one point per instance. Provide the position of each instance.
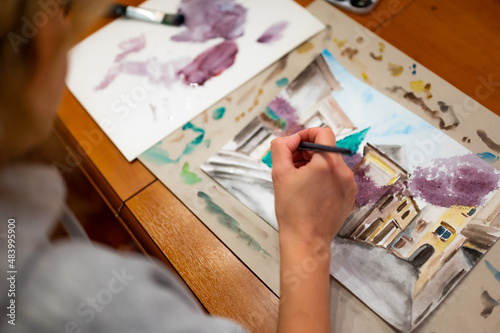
(381, 222)
(388, 218)
(437, 234)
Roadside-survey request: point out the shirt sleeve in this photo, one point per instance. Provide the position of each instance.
(81, 288)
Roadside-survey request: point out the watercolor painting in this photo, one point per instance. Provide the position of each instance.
(426, 211)
(141, 81)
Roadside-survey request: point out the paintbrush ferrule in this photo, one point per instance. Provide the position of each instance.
(147, 15)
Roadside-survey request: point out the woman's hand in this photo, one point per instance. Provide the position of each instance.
(314, 194)
(314, 191)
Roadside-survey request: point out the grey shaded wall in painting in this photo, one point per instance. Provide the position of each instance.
(415, 230)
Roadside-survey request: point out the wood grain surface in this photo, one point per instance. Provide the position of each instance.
(223, 284)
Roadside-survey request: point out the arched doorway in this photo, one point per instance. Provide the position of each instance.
(420, 257)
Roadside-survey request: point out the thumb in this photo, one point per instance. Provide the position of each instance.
(282, 150)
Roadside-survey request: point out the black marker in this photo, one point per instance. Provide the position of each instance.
(147, 15)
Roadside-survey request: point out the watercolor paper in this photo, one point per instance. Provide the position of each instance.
(141, 81)
(426, 211)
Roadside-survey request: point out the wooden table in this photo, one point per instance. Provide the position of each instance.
(457, 39)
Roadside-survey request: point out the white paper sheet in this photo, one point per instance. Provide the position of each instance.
(136, 111)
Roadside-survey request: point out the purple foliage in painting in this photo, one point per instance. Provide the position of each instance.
(285, 111)
(211, 19)
(368, 191)
(210, 63)
(459, 180)
(273, 33)
(352, 160)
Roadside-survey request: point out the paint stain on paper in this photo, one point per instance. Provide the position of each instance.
(211, 19)
(230, 223)
(158, 155)
(493, 270)
(218, 113)
(486, 139)
(280, 66)
(366, 78)
(488, 157)
(189, 177)
(375, 57)
(191, 146)
(340, 43)
(129, 46)
(459, 180)
(413, 69)
(447, 120)
(349, 52)
(489, 303)
(305, 47)
(381, 47)
(360, 40)
(157, 73)
(256, 100)
(210, 63)
(273, 33)
(282, 82)
(396, 70)
(153, 110)
(465, 139)
(419, 86)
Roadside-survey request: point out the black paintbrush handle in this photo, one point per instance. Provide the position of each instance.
(316, 147)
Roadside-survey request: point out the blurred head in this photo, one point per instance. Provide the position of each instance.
(35, 36)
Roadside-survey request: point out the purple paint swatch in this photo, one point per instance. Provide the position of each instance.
(210, 63)
(131, 46)
(285, 111)
(158, 73)
(273, 33)
(211, 19)
(459, 180)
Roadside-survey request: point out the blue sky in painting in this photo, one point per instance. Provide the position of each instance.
(390, 122)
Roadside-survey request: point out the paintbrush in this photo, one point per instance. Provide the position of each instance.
(316, 147)
(147, 15)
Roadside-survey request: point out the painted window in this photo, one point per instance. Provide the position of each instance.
(444, 231)
(405, 215)
(369, 230)
(421, 225)
(386, 203)
(400, 208)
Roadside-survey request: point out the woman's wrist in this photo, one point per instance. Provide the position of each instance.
(299, 249)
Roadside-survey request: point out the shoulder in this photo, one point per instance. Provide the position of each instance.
(102, 290)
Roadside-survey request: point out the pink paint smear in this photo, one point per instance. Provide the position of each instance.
(273, 33)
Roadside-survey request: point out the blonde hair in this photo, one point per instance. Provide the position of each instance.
(20, 21)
